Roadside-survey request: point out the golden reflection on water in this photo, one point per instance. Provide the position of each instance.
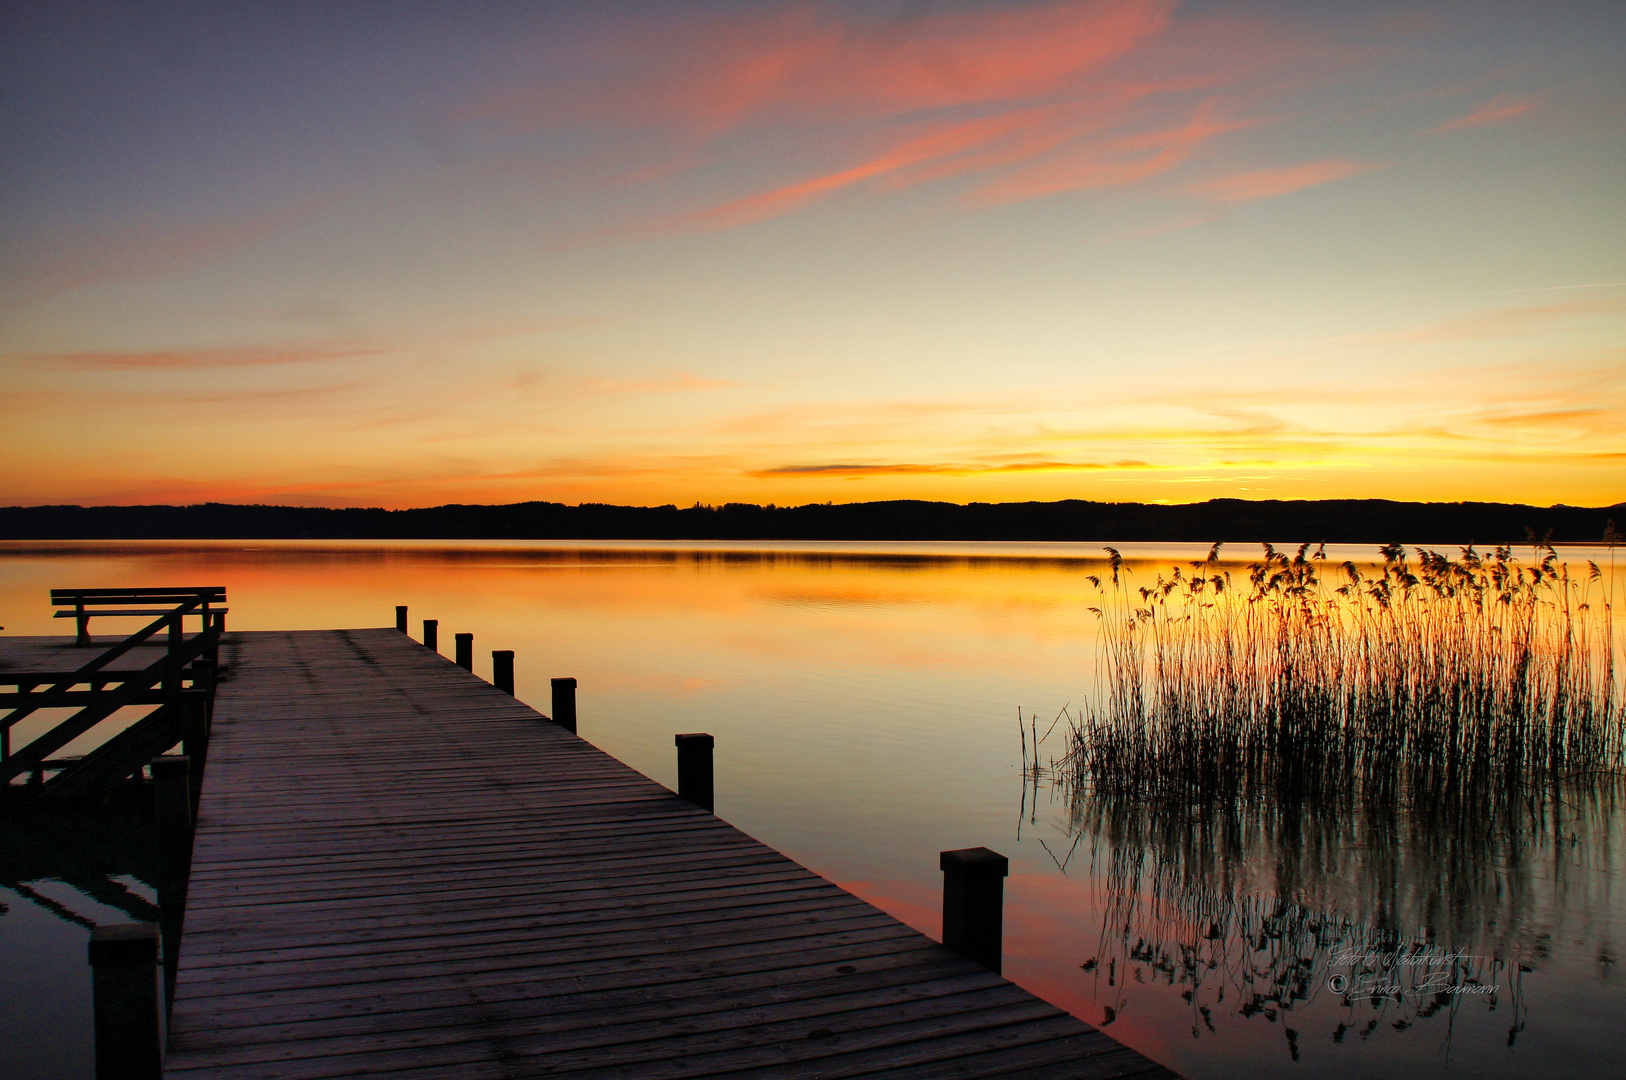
(864, 700)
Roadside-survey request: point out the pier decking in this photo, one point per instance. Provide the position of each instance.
(401, 871)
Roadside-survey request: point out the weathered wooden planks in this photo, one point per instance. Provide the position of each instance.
(401, 872)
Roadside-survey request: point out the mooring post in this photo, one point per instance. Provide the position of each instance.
(974, 904)
(172, 815)
(694, 769)
(172, 822)
(465, 651)
(431, 634)
(217, 621)
(502, 670)
(400, 617)
(194, 706)
(172, 677)
(205, 673)
(564, 704)
(124, 999)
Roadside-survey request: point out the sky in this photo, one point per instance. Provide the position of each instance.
(404, 254)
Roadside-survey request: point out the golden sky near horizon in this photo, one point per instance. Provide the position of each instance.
(398, 255)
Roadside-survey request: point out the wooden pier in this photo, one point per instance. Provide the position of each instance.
(401, 871)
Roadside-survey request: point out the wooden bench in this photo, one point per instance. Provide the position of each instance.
(84, 604)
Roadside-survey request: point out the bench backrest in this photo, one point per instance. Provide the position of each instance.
(75, 598)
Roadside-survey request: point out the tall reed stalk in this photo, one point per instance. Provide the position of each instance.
(1433, 685)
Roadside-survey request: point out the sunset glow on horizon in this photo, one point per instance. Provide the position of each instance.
(404, 255)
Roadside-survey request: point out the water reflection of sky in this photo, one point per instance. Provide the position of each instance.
(865, 701)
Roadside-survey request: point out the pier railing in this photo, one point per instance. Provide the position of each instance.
(180, 682)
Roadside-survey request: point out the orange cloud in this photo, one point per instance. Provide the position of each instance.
(1501, 323)
(200, 359)
(1565, 421)
(1499, 108)
(1270, 183)
(908, 469)
(670, 382)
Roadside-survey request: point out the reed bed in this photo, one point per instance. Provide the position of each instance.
(1433, 685)
(1305, 760)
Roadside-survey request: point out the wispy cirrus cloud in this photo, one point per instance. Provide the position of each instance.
(1259, 184)
(202, 359)
(895, 468)
(667, 383)
(1502, 322)
(1497, 109)
(811, 64)
(940, 144)
(941, 150)
(1018, 102)
(1118, 161)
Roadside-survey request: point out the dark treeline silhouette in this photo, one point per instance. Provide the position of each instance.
(1229, 520)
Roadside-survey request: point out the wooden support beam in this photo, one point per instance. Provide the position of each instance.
(465, 651)
(431, 634)
(502, 670)
(401, 618)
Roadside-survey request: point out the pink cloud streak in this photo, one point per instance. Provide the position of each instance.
(1497, 109)
(1031, 101)
(1271, 183)
(810, 64)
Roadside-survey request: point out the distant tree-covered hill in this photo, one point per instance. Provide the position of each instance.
(1229, 520)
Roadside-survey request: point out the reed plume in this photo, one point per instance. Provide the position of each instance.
(1423, 684)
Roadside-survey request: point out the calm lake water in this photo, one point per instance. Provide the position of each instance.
(865, 702)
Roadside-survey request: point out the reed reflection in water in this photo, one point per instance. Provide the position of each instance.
(1347, 811)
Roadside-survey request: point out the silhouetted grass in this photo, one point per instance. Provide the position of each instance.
(1311, 761)
(1434, 685)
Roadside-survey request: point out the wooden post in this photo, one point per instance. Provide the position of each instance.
(694, 769)
(172, 815)
(83, 622)
(400, 617)
(124, 996)
(172, 820)
(431, 634)
(564, 704)
(502, 670)
(172, 680)
(218, 621)
(465, 651)
(194, 706)
(203, 674)
(974, 904)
